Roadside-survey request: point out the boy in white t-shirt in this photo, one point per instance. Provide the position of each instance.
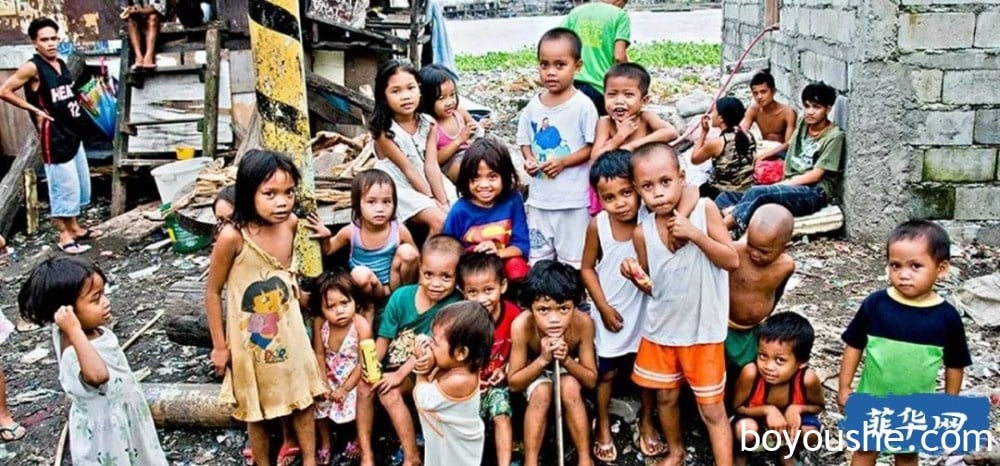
(555, 133)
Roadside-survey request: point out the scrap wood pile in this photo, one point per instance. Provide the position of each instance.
(338, 159)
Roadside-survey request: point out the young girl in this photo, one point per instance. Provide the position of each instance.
(273, 371)
(225, 203)
(489, 217)
(9, 429)
(404, 139)
(447, 389)
(383, 255)
(732, 153)
(109, 420)
(336, 333)
(455, 126)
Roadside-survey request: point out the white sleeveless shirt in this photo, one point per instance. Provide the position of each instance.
(619, 292)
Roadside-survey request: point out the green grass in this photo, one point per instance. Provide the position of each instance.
(662, 54)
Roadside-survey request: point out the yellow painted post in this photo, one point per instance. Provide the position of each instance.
(279, 71)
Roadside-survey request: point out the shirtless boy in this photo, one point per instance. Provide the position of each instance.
(775, 119)
(758, 283)
(553, 329)
(627, 126)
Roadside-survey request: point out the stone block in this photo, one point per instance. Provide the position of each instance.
(751, 13)
(971, 87)
(960, 164)
(938, 2)
(940, 128)
(923, 31)
(987, 30)
(927, 85)
(931, 202)
(971, 59)
(987, 126)
(784, 56)
(977, 203)
(828, 69)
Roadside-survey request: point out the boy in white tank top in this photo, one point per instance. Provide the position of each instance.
(685, 327)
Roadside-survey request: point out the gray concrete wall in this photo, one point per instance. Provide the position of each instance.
(918, 86)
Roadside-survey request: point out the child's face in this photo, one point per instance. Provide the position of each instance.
(486, 185)
(552, 317)
(556, 65)
(223, 210)
(447, 102)
(762, 94)
(659, 181)
(338, 309)
(776, 363)
(403, 93)
(275, 197)
(623, 98)
(715, 119)
(444, 358)
(912, 269)
(814, 113)
(437, 274)
(618, 198)
(764, 247)
(376, 204)
(92, 307)
(484, 287)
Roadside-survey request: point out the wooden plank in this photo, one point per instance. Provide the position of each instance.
(827, 219)
(319, 84)
(210, 135)
(120, 142)
(12, 185)
(133, 225)
(15, 124)
(31, 200)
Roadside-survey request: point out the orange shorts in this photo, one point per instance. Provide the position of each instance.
(702, 366)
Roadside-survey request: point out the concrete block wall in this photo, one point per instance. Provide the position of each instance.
(918, 79)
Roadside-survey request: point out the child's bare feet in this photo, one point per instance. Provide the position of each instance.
(672, 459)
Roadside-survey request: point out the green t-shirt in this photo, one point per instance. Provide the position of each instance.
(826, 152)
(599, 26)
(401, 313)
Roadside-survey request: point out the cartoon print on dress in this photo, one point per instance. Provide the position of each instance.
(548, 142)
(267, 302)
(498, 232)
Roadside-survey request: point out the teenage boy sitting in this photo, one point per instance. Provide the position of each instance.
(775, 120)
(553, 330)
(812, 166)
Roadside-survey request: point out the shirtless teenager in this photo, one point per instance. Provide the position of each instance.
(758, 283)
(775, 120)
(553, 329)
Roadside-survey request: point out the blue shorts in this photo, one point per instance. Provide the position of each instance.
(625, 361)
(69, 185)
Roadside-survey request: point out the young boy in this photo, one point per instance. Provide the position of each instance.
(757, 285)
(482, 279)
(682, 338)
(627, 125)
(606, 31)
(775, 120)
(812, 166)
(778, 392)
(554, 329)
(555, 132)
(619, 307)
(906, 331)
(409, 313)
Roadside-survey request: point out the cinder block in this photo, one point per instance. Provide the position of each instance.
(927, 85)
(921, 31)
(988, 29)
(960, 165)
(977, 203)
(931, 202)
(938, 2)
(971, 87)
(828, 69)
(987, 129)
(940, 128)
(969, 59)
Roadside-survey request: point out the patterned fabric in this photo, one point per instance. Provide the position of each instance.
(799, 200)
(339, 365)
(732, 171)
(495, 402)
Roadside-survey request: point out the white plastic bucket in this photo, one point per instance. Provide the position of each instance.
(175, 179)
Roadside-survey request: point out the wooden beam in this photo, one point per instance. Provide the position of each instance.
(31, 200)
(12, 185)
(188, 405)
(133, 225)
(319, 84)
(120, 142)
(213, 68)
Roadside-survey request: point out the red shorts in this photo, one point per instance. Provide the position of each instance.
(703, 367)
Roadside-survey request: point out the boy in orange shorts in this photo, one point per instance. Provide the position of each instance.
(682, 338)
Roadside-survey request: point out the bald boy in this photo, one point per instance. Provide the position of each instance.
(758, 283)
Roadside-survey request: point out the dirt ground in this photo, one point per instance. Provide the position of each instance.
(833, 277)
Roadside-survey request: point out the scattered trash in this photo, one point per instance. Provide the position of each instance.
(31, 396)
(157, 245)
(35, 355)
(143, 273)
(979, 297)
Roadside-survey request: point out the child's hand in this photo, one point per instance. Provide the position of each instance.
(776, 420)
(706, 123)
(337, 396)
(547, 346)
(627, 126)
(467, 132)
(531, 166)
(315, 224)
(389, 382)
(66, 320)
(485, 123)
(552, 167)
(681, 228)
(220, 359)
(842, 395)
(560, 350)
(497, 377)
(612, 320)
(488, 247)
(631, 270)
(793, 419)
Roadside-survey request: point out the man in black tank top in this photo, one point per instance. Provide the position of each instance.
(56, 112)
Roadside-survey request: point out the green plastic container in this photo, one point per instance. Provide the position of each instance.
(184, 241)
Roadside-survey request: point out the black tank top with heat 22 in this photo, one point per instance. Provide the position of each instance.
(59, 140)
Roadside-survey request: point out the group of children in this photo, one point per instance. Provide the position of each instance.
(652, 286)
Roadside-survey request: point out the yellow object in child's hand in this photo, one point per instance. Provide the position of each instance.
(370, 366)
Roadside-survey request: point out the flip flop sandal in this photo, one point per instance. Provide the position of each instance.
(89, 234)
(323, 456)
(650, 448)
(605, 453)
(352, 451)
(248, 456)
(73, 248)
(286, 455)
(12, 432)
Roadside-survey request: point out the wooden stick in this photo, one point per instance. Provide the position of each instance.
(559, 420)
(135, 336)
(61, 447)
(31, 200)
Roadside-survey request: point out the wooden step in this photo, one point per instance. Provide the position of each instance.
(132, 127)
(137, 77)
(141, 163)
